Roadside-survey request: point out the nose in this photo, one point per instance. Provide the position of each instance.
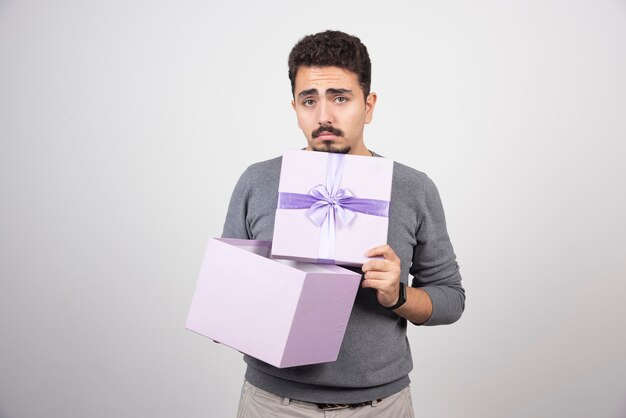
(325, 113)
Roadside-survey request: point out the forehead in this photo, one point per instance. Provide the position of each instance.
(323, 78)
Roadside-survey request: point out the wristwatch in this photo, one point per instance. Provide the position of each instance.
(401, 298)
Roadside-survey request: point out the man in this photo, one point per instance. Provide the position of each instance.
(330, 75)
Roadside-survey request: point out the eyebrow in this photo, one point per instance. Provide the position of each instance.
(338, 91)
(307, 92)
(329, 91)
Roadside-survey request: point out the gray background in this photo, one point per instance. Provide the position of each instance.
(125, 124)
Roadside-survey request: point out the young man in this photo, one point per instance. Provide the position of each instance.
(330, 75)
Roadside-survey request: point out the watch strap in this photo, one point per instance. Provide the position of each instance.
(401, 298)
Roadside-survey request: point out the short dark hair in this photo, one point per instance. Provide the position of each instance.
(332, 48)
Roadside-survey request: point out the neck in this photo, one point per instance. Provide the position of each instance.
(361, 150)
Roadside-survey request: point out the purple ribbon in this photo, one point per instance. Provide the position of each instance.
(329, 204)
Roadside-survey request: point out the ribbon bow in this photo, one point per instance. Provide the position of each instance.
(329, 204)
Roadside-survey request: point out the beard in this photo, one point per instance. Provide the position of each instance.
(328, 145)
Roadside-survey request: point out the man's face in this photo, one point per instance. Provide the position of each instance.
(331, 109)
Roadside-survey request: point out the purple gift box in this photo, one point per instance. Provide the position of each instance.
(284, 313)
(332, 208)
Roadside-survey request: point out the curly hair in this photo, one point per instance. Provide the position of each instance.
(332, 48)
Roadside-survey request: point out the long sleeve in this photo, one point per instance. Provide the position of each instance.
(236, 224)
(434, 266)
(253, 203)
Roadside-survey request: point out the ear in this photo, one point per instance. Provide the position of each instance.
(370, 102)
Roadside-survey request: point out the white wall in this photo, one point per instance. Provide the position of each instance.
(125, 124)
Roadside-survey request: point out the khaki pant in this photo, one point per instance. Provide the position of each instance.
(257, 403)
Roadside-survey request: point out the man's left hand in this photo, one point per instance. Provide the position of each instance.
(383, 275)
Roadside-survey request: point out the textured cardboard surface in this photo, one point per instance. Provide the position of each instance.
(282, 312)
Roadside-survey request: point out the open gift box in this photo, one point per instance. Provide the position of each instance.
(284, 313)
(337, 203)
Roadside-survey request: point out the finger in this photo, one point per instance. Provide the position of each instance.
(377, 265)
(376, 251)
(376, 275)
(386, 267)
(372, 284)
(384, 250)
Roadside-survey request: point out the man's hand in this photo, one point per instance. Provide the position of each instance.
(383, 275)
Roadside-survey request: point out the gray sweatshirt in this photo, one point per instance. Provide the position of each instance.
(375, 357)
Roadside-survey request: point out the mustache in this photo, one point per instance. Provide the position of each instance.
(326, 128)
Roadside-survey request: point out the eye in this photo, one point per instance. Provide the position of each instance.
(341, 99)
(308, 102)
